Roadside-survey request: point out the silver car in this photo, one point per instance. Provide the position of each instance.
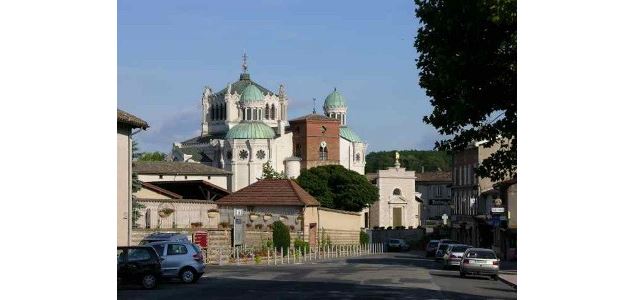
(164, 236)
(398, 244)
(182, 260)
(453, 255)
(441, 248)
(479, 261)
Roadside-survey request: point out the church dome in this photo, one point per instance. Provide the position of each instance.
(348, 134)
(251, 94)
(334, 100)
(250, 130)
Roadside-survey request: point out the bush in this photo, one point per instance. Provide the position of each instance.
(363, 237)
(281, 236)
(299, 244)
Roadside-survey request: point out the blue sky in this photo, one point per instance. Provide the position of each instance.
(169, 50)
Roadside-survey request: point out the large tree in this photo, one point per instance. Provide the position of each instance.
(152, 156)
(336, 187)
(467, 63)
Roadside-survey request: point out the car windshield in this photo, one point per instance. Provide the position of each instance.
(481, 254)
(443, 247)
(433, 244)
(459, 248)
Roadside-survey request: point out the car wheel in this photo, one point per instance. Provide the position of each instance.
(462, 274)
(149, 281)
(494, 277)
(187, 275)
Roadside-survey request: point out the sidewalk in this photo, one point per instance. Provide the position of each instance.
(507, 273)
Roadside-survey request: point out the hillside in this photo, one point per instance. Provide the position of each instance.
(412, 160)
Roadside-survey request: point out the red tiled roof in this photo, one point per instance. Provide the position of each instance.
(282, 192)
(131, 120)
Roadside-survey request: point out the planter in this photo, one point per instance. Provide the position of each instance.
(267, 217)
(253, 217)
(196, 225)
(211, 213)
(283, 218)
(164, 213)
(298, 220)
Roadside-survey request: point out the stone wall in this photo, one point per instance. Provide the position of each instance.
(339, 237)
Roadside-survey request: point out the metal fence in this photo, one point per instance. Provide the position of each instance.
(292, 255)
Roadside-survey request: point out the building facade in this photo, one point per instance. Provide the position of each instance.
(245, 126)
(180, 171)
(126, 122)
(470, 197)
(397, 205)
(435, 195)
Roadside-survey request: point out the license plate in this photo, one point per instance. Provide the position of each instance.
(481, 261)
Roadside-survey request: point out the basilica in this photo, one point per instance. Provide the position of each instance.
(245, 125)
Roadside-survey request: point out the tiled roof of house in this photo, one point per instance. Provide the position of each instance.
(175, 168)
(199, 154)
(161, 191)
(131, 120)
(271, 192)
(437, 176)
(242, 84)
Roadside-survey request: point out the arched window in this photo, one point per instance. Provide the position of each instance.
(273, 112)
(223, 111)
(324, 153)
(267, 112)
(249, 114)
(244, 116)
(396, 192)
(147, 217)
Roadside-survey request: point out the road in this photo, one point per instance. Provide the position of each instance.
(390, 275)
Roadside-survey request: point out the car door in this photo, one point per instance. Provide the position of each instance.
(176, 254)
(122, 259)
(138, 259)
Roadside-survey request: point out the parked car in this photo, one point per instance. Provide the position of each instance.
(398, 244)
(182, 260)
(453, 255)
(479, 261)
(164, 236)
(139, 265)
(431, 247)
(441, 247)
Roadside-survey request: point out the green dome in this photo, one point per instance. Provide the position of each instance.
(334, 100)
(251, 94)
(250, 130)
(349, 135)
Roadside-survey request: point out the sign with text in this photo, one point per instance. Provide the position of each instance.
(498, 209)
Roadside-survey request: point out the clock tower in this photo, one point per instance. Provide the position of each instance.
(316, 140)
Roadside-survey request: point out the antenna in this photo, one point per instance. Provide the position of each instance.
(313, 105)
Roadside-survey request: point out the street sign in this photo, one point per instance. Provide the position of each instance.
(498, 209)
(445, 219)
(238, 231)
(238, 212)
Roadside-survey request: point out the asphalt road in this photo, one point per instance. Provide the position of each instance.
(386, 276)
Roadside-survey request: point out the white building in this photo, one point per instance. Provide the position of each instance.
(246, 125)
(397, 205)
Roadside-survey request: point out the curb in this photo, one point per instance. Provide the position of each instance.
(507, 282)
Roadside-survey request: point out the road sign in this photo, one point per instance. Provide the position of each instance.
(498, 209)
(238, 212)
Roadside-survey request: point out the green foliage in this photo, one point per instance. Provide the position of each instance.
(467, 63)
(336, 187)
(300, 245)
(135, 214)
(258, 259)
(363, 237)
(269, 173)
(152, 156)
(281, 236)
(412, 160)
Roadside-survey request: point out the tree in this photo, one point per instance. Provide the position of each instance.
(281, 236)
(135, 214)
(152, 156)
(269, 173)
(363, 237)
(412, 160)
(338, 188)
(467, 63)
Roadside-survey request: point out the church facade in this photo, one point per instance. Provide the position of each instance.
(245, 125)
